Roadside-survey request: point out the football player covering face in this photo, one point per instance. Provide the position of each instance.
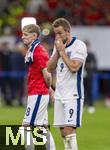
(67, 80)
(61, 35)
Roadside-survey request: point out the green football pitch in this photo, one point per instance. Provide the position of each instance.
(93, 135)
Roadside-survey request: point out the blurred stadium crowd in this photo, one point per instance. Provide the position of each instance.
(12, 51)
(78, 12)
(12, 73)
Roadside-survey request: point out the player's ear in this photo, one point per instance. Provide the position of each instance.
(35, 35)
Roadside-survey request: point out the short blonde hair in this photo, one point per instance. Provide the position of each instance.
(32, 28)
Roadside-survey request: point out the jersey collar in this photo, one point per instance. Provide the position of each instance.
(72, 41)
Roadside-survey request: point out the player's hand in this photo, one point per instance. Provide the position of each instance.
(51, 94)
(60, 46)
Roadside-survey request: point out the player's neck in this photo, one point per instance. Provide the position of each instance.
(30, 44)
(69, 40)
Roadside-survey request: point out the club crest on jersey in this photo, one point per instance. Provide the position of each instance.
(61, 66)
(69, 54)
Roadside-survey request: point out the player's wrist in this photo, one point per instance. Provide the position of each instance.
(50, 90)
(57, 52)
(61, 52)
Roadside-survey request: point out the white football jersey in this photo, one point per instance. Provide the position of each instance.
(70, 85)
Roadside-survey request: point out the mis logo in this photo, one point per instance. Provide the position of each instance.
(21, 135)
(15, 137)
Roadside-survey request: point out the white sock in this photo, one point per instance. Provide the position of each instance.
(28, 139)
(50, 145)
(70, 142)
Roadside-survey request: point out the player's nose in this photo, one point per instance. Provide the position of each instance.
(22, 37)
(57, 36)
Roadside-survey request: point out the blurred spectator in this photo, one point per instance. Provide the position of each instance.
(47, 42)
(3, 5)
(0, 68)
(33, 5)
(90, 70)
(12, 72)
(18, 68)
(107, 90)
(5, 77)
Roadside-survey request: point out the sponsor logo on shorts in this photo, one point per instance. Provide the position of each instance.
(70, 120)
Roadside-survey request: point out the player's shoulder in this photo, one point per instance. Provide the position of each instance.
(80, 42)
(81, 45)
(40, 50)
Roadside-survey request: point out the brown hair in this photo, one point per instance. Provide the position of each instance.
(32, 28)
(62, 22)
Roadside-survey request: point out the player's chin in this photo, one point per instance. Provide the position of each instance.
(25, 42)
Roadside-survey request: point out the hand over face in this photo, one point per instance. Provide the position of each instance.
(60, 46)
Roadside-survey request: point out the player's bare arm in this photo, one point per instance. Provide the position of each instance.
(48, 79)
(73, 65)
(51, 65)
(47, 76)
